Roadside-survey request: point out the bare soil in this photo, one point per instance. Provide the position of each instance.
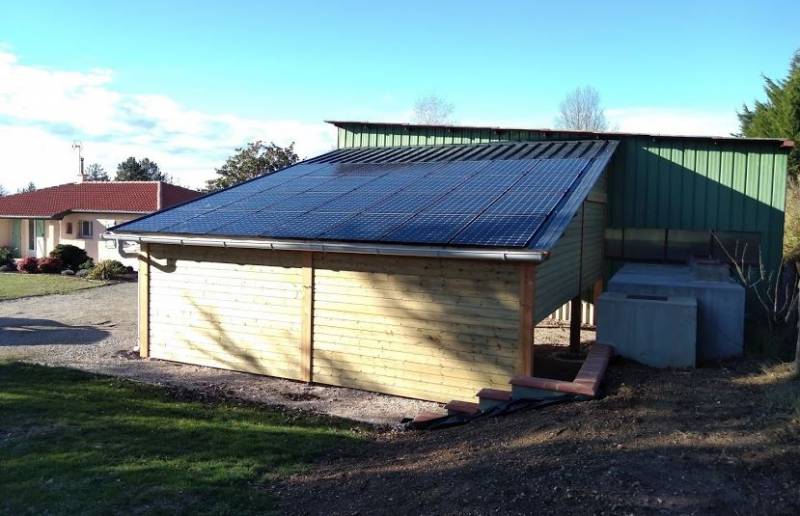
(717, 440)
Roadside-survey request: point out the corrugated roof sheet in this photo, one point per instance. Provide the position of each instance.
(515, 195)
(95, 196)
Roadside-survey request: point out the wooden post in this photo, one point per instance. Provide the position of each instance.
(144, 301)
(597, 291)
(307, 326)
(527, 291)
(575, 324)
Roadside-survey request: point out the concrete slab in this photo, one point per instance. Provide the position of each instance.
(657, 331)
(720, 302)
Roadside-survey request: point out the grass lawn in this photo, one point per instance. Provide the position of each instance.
(73, 442)
(14, 285)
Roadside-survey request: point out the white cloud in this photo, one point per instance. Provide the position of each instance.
(43, 110)
(657, 120)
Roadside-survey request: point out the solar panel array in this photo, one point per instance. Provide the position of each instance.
(483, 201)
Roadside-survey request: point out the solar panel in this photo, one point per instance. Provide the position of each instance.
(310, 225)
(258, 201)
(426, 228)
(525, 203)
(367, 226)
(403, 203)
(474, 195)
(305, 202)
(462, 203)
(355, 203)
(206, 222)
(500, 230)
(161, 221)
(255, 224)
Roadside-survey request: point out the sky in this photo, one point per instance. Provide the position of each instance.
(186, 83)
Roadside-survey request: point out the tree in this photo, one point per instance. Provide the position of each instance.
(581, 110)
(30, 187)
(96, 172)
(145, 170)
(256, 159)
(779, 115)
(432, 109)
(3, 191)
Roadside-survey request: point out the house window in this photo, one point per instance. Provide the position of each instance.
(85, 229)
(31, 235)
(69, 228)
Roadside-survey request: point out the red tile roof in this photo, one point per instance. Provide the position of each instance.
(95, 196)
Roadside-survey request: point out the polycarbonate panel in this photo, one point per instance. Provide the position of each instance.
(367, 226)
(500, 230)
(428, 228)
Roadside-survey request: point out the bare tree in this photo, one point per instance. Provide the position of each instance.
(433, 109)
(581, 110)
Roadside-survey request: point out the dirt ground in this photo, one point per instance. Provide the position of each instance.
(716, 440)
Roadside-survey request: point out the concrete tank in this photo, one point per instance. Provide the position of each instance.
(720, 301)
(658, 331)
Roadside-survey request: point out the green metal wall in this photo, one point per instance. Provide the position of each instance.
(654, 181)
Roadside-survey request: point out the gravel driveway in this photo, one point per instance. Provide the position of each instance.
(95, 330)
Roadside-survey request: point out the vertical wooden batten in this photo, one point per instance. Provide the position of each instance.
(527, 291)
(307, 325)
(144, 301)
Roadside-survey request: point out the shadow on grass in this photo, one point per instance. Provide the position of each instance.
(72, 442)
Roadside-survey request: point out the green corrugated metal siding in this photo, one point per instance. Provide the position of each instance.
(594, 225)
(654, 181)
(558, 277)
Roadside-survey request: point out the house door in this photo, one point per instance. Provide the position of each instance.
(35, 238)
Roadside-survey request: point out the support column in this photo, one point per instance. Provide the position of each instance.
(575, 317)
(144, 301)
(527, 293)
(307, 325)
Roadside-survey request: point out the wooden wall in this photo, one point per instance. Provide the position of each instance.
(229, 308)
(423, 328)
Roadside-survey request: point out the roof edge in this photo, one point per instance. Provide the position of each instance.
(783, 142)
(515, 255)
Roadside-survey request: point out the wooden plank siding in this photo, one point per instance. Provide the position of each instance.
(235, 309)
(423, 328)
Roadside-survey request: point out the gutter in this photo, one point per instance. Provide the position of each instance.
(516, 255)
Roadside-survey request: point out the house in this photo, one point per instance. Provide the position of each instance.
(33, 223)
(416, 260)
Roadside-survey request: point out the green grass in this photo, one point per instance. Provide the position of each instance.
(72, 442)
(14, 285)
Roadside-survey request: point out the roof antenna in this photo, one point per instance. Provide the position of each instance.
(78, 145)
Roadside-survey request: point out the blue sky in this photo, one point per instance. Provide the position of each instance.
(188, 81)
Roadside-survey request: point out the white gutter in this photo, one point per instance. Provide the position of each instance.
(526, 255)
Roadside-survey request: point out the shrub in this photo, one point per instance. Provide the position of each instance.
(50, 265)
(6, 256)
(7, 267)
(87, 265)
(106, 270)
(71, 256)
(29, 265)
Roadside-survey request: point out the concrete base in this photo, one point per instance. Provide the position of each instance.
(720, 302)
(653, 330)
